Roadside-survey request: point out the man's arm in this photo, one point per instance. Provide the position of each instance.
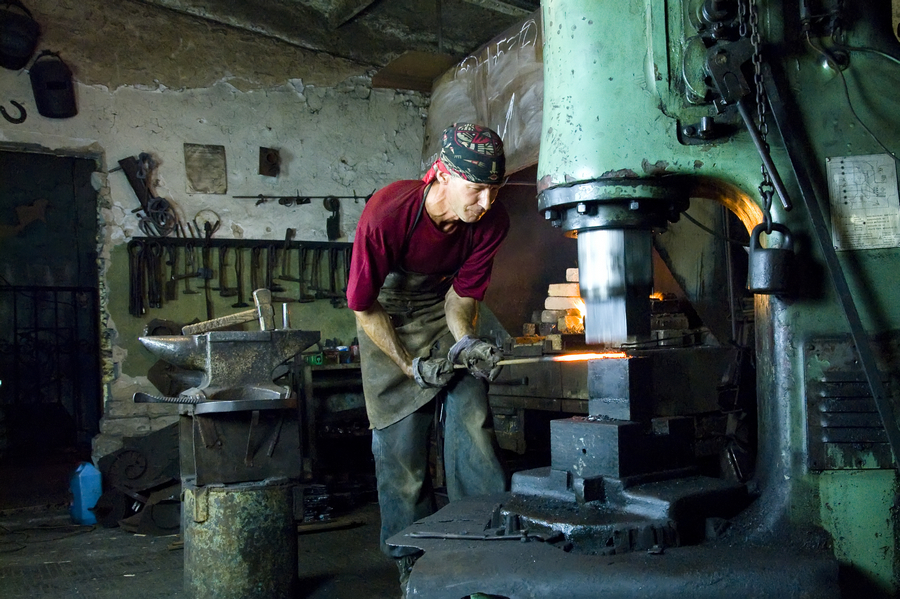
(461, 314)
(480, 357)
(377, 325)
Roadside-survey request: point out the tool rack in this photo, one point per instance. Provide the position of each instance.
(161, 269)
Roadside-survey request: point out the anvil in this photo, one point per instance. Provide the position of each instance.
(237, 365)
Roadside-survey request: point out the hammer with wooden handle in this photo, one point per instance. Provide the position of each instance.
(263, 311)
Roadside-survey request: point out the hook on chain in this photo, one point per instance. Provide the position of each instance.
(767, 190)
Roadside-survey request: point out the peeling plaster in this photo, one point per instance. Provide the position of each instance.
(356, 139)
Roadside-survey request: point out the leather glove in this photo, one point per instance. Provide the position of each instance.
(480, 357)
(432, 372)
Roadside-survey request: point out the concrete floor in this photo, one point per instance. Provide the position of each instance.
(43, 554)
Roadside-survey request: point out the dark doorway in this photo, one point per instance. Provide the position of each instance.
(50, 393)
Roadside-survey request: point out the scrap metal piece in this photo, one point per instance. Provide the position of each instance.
(498, 535)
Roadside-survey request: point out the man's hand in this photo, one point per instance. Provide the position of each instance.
(432, 372)
(480, 357)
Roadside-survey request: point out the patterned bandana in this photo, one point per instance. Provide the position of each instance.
(474, 153)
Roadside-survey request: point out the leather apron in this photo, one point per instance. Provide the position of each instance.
(415, 303)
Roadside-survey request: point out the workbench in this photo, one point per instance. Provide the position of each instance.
(313, 381)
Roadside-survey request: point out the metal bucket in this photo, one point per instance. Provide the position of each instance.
(240, 541)
(19, 34)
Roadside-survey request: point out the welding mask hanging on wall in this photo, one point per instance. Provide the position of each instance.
(51, 81)
(18, 34)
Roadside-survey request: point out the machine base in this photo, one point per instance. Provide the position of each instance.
(454, 568)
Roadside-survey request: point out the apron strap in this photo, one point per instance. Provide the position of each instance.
(470, 236)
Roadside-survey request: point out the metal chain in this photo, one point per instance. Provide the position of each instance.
(767, 193)
(766, 188)
(757, 71)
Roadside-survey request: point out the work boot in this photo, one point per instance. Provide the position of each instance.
(405, 566)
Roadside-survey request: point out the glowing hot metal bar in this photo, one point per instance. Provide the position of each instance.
(559, 358)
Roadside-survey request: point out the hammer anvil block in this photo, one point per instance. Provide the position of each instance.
(590, 447)
(620, 389)
(237, 365)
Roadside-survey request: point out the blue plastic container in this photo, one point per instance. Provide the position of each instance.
(86, 488)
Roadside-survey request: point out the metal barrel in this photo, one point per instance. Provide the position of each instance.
(240, 540)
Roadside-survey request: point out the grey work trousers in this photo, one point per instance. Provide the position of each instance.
(471, 465)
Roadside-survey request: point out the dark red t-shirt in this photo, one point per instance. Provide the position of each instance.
(382, 231)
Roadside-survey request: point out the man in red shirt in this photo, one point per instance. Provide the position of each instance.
(422, 259)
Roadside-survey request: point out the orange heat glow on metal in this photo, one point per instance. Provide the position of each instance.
(580, 306)
(595, 356)
(657, 296)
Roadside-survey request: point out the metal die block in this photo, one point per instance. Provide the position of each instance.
(618, 449)
(620, 388)
(589, 448)
(543, 482)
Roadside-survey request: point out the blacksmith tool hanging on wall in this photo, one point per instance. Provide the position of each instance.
(15, 120)
(286, 257)
(159, 219)
(333, 222)
(154, 269)
(298, 199)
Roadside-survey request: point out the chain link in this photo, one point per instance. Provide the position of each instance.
(767, 192)
(766, 188)
(753, 18)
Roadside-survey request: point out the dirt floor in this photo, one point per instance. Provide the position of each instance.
(44, 554)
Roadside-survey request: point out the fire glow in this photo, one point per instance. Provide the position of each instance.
(578, 304)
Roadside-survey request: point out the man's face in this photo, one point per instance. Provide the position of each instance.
(469, 201)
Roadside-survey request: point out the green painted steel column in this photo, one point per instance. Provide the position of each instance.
(615, 75)
(240, 540)
(599, 90)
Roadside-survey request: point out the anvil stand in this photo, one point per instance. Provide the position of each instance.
(239, 442)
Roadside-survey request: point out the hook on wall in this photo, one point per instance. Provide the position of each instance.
(14, 119)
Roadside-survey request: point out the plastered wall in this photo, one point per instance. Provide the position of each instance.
(148, 80)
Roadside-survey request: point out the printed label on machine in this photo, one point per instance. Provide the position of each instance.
(865, 205)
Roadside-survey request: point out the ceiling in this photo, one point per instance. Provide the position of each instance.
(371, 32)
